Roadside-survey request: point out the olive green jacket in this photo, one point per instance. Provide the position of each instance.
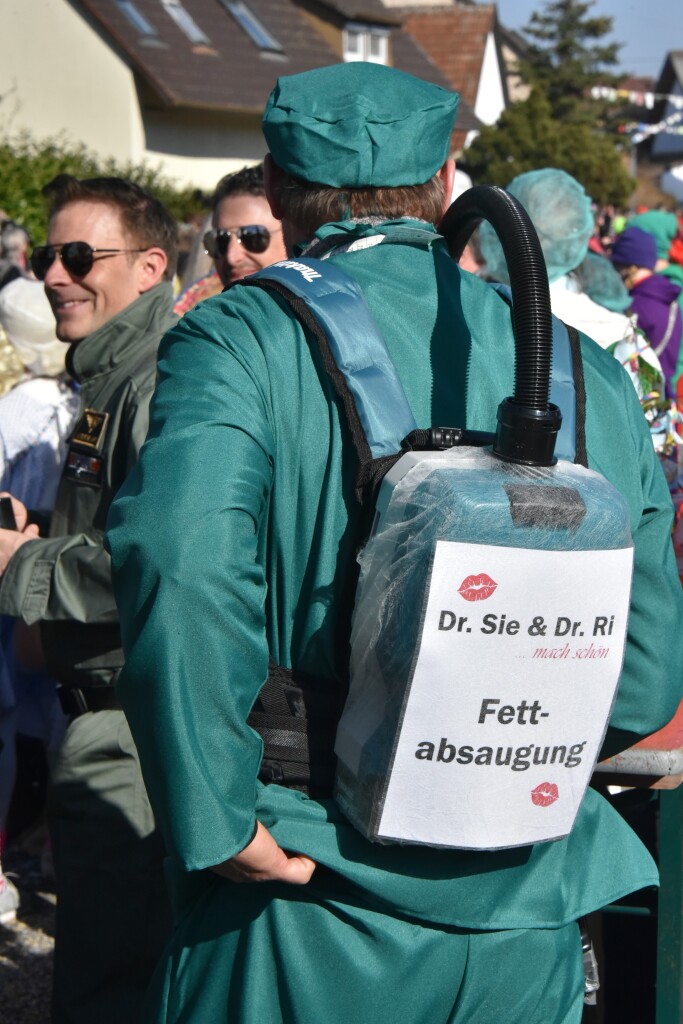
(63, 581)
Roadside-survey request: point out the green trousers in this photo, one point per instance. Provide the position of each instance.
(113, 912)
(251, 954)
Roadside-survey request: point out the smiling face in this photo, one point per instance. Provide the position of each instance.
(83, 304)
(237, 211)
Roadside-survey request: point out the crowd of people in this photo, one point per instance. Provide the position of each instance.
(54, 419)
(169, 561)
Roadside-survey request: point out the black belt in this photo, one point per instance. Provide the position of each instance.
(93, 698)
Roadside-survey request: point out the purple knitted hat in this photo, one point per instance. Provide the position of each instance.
(635, 247)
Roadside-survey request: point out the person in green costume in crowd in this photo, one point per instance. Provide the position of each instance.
(231, 542)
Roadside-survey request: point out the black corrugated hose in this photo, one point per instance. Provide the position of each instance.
(528, 422)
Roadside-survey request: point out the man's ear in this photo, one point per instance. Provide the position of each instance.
(447, 175)
(151, 267)
(271, 180)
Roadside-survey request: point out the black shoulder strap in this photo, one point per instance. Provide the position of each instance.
(581, 457)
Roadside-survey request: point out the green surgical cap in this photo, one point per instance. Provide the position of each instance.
(560, 211)
(661, 225)
(601, 283)
(358, 124)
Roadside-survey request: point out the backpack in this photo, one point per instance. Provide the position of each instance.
(423, 740)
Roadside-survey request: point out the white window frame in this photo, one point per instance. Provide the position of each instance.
(365, 35)
(185, 22)
(250, 24)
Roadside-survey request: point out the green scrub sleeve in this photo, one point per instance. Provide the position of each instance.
(183, 534)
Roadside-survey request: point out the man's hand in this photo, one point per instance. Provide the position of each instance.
(10, 540)
(263, 861)
(19, 509)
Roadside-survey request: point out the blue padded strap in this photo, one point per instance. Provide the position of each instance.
(359, 350)
(357, 345)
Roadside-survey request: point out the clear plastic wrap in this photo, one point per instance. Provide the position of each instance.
(470, 497)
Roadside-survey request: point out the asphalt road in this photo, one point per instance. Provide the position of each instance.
(26, 946)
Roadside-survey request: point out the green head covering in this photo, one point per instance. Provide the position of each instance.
(661, 225)
(356, 125)
(560, 211)
(601, 283)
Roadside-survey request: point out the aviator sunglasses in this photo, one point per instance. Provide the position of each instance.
(77, 257)
(254, 237)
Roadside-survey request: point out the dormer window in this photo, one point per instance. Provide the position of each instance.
(185, 22)
(366, 42)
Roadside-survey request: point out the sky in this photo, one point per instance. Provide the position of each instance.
(647, 28)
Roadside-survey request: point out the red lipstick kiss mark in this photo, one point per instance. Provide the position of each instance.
(545, 794)
(477, 588)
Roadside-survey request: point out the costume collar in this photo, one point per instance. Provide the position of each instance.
(112, 343)
(352, 235)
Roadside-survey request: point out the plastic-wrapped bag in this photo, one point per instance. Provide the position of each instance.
(487, 643)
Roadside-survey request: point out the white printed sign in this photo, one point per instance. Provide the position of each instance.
(519, 660)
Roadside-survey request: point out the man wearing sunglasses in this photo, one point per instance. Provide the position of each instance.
(107, 265)
(233, 543)
(244, 236)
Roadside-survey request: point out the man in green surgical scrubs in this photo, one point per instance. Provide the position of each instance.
(232, 542)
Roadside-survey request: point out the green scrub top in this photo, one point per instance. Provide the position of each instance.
(230, 542)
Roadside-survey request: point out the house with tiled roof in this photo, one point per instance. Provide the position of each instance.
(514, 48)
(377, 30)
(462, 40)
(181, 84)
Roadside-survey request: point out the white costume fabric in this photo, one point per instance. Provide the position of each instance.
(36, 418)
(580, 311)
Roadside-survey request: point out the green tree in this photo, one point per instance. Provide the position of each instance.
(528, 137)
(567, 56)
(26, 165)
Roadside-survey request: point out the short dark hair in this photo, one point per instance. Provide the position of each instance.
(311, 204)
(246, 182)
(144, 217)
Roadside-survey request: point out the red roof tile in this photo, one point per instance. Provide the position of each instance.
(455, 39)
